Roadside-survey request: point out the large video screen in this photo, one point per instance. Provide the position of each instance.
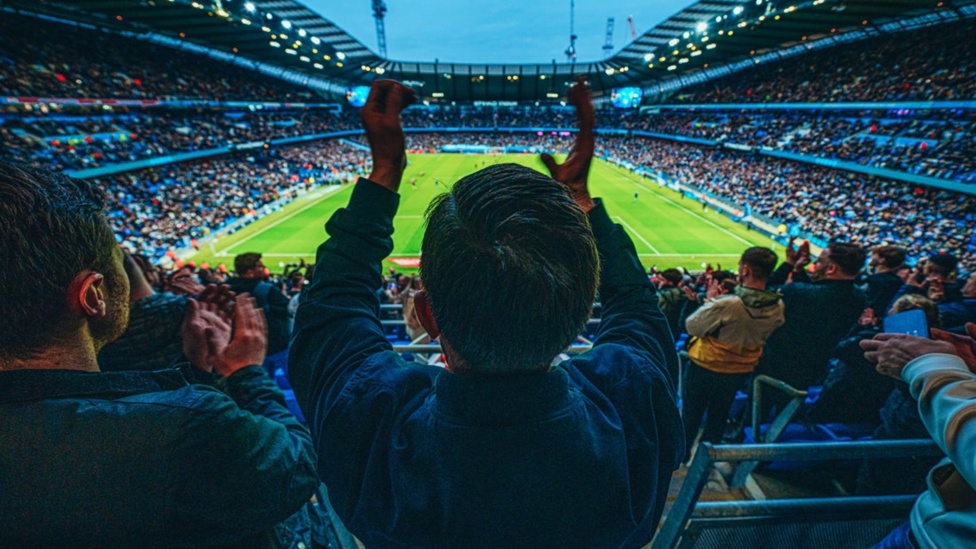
(626, 98)
(357, 95)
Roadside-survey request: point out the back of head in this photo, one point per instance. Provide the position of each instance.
(673, 276)
(246, 262)
(762, 261)
(892, 256)
(848, 257)
(511, 269)
(944, 264)
(52, 227)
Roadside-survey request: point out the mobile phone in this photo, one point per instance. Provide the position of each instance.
(911, 323)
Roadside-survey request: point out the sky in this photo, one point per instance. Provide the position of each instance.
(495, 31)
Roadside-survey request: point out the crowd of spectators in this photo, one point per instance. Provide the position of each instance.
(41, 58)
(936, 144)
(928, 64)
(818, 200)
(82, 142)
(156, 210)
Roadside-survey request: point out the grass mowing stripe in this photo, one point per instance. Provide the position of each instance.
(664, 226)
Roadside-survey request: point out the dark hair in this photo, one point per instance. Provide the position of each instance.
(761, 260)
(892, 256)
(848, 257)
(511, 268)
(245, 262)
(51, 228)
(943, 264)
(673, 276)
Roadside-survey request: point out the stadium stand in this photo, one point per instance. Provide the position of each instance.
(252, 164)
(929, 65)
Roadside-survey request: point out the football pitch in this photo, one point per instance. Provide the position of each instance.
(667, 230)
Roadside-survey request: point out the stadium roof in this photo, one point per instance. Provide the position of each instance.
(706, 35)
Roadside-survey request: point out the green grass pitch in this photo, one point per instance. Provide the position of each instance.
(667, 230)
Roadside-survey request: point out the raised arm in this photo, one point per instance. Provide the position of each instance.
(630, 314)
(337, 326)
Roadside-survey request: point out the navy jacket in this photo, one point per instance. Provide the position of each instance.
(417, 456)
(818, 315)
(141, 459)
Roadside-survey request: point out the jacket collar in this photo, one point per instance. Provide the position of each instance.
(503, 399)
(29, 385)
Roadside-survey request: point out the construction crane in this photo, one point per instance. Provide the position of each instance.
(633, 31)
(571, 50)
(379, 12)
(608, 44)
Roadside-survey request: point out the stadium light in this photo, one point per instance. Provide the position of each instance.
(340, 55)
(738, 10)
(673, 42)
(648, 56)
(286, 23)
(380, 70)
(316, 41)
(269, 16)
(701, 27)
(249, 6)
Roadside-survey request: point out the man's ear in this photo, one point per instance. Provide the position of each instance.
(425, 315)
(87, 294)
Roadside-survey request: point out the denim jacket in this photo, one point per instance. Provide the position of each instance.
(419, 456)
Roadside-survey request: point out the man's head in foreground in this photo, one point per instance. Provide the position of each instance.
(65, 290)
(510, 270)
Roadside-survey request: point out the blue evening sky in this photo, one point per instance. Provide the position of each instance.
(495, 31)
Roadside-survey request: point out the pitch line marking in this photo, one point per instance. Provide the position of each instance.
(637, 234)
(685, 208)
(314, 200)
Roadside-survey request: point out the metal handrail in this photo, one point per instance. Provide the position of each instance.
(685, 505)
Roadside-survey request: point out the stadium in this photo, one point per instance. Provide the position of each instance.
(228, 139)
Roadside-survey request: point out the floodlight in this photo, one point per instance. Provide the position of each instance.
(285, 23)
(249, 6)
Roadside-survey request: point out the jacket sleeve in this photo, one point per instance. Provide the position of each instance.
(707, 319)
(781, 275)
(630, 312)
(247, 462)
(337, 326)
(946, 394)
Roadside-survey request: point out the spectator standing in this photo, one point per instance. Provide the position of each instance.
(501, 449)
(821, 308)
(728, 334)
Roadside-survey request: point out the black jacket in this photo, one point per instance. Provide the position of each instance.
(818, 316)
(141, 459)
